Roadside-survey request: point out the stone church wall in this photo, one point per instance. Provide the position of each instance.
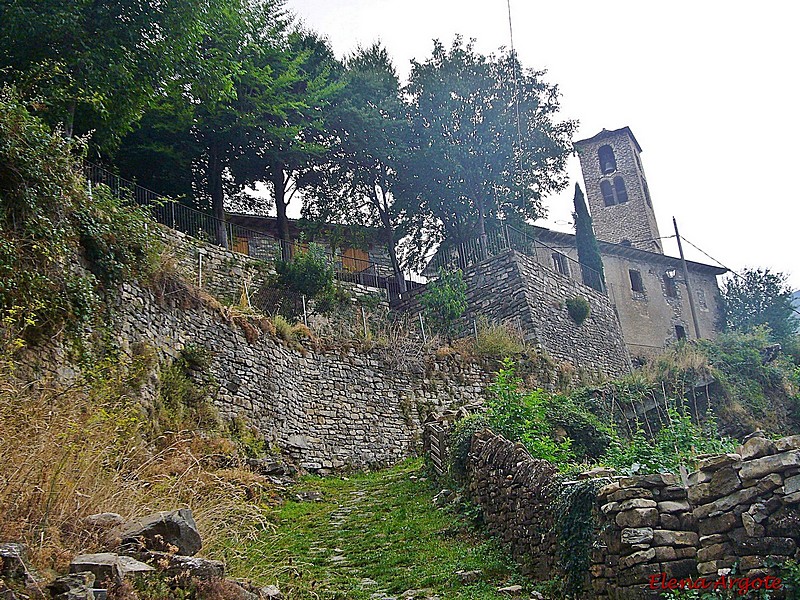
(514, 288)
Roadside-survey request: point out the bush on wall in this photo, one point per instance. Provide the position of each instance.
(578, 309)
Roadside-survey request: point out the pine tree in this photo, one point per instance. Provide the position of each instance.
(588, 252)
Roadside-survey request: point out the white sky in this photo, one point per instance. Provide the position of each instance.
(709, 88)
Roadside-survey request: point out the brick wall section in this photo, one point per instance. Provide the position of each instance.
(512, 287)
(737, 509)
(327, 409)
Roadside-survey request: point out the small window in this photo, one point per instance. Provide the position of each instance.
(608, 193)
(680, 332)
(626, 243)
(620, 191)
(561, 263)
(647, 194)
(669, 287)
(608, 164)
(636, 281)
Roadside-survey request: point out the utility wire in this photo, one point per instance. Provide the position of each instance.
(740, 276)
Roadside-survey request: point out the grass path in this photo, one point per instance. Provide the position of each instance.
(373, 536)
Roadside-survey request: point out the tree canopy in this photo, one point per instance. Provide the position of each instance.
(489, 146)
(760, 297)
(94, 66)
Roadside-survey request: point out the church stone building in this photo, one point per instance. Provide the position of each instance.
(646, 287)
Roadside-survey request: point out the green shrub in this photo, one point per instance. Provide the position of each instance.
(309, 272)
(678, 443)
(284, 329)
(445, 301)
(522, 417)
(49, 221)
(578, 309)
(497, 341)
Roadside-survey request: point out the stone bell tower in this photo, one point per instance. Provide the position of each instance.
(616, 189)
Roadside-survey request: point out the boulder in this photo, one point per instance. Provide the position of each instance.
(105, 520)
(163, 531)
(271, 592)
(77, 586)
(185, 567)
(107, 567)
(12, 560)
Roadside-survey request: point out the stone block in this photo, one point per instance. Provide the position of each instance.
(775, 463)
(718, 524)
(727, 503)
(792, 484)
(638, 517)
(674, 538)
(668, 521)
(788, 443)
(636, 503)
(629, 493)
(756, 447)
(714, 552)
(680, 569)
(673, 507)
(718, 461)
(637, 535)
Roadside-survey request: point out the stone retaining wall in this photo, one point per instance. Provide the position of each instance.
(329, 409)
(512, 287)
(737, 516)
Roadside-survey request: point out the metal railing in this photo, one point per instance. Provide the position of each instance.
(257, 244)
(475, 250)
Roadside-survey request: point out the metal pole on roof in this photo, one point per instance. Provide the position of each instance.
(686, 280)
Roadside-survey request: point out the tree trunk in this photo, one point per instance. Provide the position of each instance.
(279, 187)
(383, 211)
(217, 197)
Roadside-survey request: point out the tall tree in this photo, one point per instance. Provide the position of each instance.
(588, 253)
(287, 138)
(360, 179)
(94, 66)
(208, 125)
(760, 297)
(489, 143)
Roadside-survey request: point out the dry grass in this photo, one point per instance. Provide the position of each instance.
(69, 453)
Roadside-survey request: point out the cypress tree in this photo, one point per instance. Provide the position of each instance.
(588, 252)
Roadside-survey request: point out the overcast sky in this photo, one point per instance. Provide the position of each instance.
(709, 88)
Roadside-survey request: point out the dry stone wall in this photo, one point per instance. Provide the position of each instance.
(340, 408)
(732, 522)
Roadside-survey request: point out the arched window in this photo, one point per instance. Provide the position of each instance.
(608, 193)
(647, 193)
(619, 190)
(608, 164)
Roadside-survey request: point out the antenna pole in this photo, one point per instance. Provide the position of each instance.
(686, 280)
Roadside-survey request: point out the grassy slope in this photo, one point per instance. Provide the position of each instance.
(380, 526)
